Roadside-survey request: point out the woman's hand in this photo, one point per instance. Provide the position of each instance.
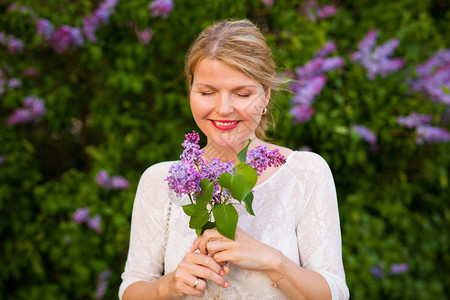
(244, 251)
(191, 273)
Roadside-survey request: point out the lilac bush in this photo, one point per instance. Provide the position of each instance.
(431, 135)
(161, 8)
(310, 81)
(414, 119)
(376, 60)
(33, 109)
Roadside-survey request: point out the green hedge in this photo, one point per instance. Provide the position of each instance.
(120, 105)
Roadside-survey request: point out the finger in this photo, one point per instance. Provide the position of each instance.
(214, 246)
(205, 261)
(207, 274)
(223, 256)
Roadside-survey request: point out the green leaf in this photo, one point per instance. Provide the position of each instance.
(199, 220)
(207, 191)
(226, 219)
(236, 184)
(248, 203)
(242, 156)
(250, 176)
(192, 209)
(208, 225)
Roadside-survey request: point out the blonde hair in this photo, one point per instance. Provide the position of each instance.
(239, 44)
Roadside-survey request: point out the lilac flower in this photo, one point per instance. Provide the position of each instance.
(377, 271)
(145, 35)
(90, 26)
(431, 135)
(305, 148)
(14, 44)
(332, 63)
(102, 283)
(261, 158)
(365, 133)
(62, 39)
(377, 62)
(307, 89)
(310, 69)
(21, 8)
(441, 58)
(119, 183)
(184, 179)
(14, 83)
(102, 15)
(2, 159)
(81, 215)
(94, 223)
(192, 152)
(302, 113)
(45, 28)
(30, 72)
(327, 49)
(399, 268)
(213, 169)
(161, 8)
(102, 179)
(268, 3)
(77, 37)
(33, 108)
(414, 119)
(326, 11)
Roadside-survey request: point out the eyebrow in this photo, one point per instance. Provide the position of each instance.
(236, 88)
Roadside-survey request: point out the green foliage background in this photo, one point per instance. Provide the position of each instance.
(121, 106)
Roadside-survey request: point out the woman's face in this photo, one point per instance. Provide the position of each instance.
(226, 104)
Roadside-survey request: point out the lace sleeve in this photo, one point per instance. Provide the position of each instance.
(146, 251)
(318, 231)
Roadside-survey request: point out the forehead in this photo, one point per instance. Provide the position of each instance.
(213, 71)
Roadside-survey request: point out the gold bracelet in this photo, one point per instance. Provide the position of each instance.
(275, 283)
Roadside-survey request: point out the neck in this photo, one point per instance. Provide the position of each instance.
(227, 153)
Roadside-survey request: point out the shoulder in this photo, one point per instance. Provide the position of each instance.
(308, 164)
(156, 173)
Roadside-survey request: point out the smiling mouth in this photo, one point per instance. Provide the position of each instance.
(225, 125)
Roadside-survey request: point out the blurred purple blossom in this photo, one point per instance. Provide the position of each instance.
(414, 119)
(326, 11)
(33, 108)
(119, 183)
(94, 223)
(434, 77)
(14, 44)
(66, 37)
(399, 268)
(2, 159)
(116, 182)
(377, 271)
(161, 8)
(14, 83)
(21, 8)
(366, 134)
(305, 148)
(311, 80)
(45, 28)
(92, 22)
(102, 283)
(30, 72)
(327, 49)
(431, 135)
(81, 215)
(376, 61)
(268, 3)
(90, 26)
(144, 36)
(102, 15)
(302, 113)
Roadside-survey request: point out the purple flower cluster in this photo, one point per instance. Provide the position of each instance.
(395, 269)
(192, 154)
(311, 80)
(144, 36)
(366, 134)
(45, 28)
(313, 11)
(261, 158)
(66, 37)
(14, 44)
(161, 8)
(431, 135)
(33, 108)
(2, 159)
(268, 3)
(434, 77)
(20, 8)
(414, 119)
(81, 215)
(10, 84)
(184, 178)
(102, 283)
(212, 170)
(116, 182)
(92, 22)
(376, 61)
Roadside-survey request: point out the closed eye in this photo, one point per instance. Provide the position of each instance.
(243, 95)
(207, 93)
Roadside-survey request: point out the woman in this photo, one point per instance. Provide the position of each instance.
(291, 248)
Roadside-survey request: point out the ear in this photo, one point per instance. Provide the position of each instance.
(267, 99)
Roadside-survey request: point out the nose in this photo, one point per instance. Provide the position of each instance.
(224, 106)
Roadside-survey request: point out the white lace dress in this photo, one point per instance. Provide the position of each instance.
(296, 212)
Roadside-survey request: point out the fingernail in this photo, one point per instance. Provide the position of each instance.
(222, 273)
(226, 285)
(192, 248)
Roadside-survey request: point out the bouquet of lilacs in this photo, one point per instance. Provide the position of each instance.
(214, 187)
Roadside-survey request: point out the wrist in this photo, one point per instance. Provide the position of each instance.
(278, 267)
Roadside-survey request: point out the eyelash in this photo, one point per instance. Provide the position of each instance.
(239, 95)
